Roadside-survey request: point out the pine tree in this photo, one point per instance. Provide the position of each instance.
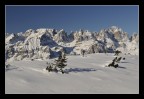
(60, 63)
(49, 67)
(116, 65)
(55, 69)
(118, 60)
(117, 52)
(113, 63)
(115, 59)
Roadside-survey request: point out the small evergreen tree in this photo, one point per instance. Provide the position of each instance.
(117, 52)
(116, 65)
(55, 69)
(113, 65)
(115, 59)
(113, 62)
(49, 67)
(118, 60)
(60, 62)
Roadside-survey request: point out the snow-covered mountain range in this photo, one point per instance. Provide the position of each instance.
(47, 43)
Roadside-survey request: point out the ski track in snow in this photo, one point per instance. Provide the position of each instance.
(86, 75)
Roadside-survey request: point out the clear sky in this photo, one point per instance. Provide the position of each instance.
(71, 18)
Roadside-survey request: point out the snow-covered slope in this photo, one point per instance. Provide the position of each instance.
(131, 46)
(87, 75)
(46, 43)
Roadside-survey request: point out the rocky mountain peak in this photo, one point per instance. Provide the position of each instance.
(46, 43)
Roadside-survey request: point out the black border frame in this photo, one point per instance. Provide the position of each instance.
(78, 2)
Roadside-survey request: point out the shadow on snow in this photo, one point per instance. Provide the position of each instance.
(7, 69)
(76, 70)
(121, 67)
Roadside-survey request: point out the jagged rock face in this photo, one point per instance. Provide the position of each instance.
(93, 49)
(47, 40)
(121, 36)
(131, 47)
(36, 45)
(118, 33)
(42, 38)
(83, 35)
(9, 51)
(134, 37)
(13, 38)
(107, 38)
(71, 36)
(112, 37)
(29, 32)
(46, 43)
(122, 44)
(96, 48)
(43, 52)
(61, 36)
(52, 32)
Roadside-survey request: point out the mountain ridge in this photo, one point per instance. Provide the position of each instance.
(46, 43)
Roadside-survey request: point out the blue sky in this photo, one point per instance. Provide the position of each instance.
(71, 18)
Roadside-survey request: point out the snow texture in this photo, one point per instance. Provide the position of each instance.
(85, 75)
